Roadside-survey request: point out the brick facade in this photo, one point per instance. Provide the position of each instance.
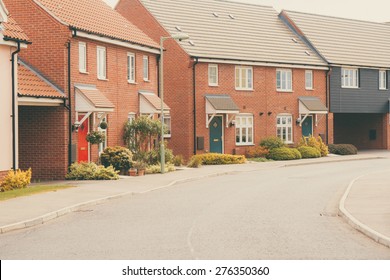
(49, 55)
(178, 91)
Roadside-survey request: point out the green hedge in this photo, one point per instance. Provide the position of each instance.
(309, 152)
(215, 159)
(119, 157)
(91, 171)
(284, 153)
(272, 143)
(343, 149)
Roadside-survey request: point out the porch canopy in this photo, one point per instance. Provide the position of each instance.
(220, 104)
(311, 105)
(150, 104)
(90, 100)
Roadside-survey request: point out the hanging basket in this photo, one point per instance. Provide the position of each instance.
(103, 125)
(95, 137)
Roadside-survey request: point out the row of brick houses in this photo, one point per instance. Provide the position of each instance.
(246, 73)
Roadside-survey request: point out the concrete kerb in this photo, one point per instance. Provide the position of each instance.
(73, 208)
(355, 223)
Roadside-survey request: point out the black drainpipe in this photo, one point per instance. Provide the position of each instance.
(69, 107)
(194, 99)
(13, 107)
(328, 72)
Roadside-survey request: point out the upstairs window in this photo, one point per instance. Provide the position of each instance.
(213, 75)
(382, 79)
(101, 63)
(130, 67)
(349, 78)
(284, 80)
(309, 79)
(82, 57)
(244, 78)
(146, 67)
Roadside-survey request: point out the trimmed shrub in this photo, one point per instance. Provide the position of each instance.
(153, 169)
(256, 152)
(91, 171)
(314, 143)
(323, 147)
(16, 180)
(153, 157)
(309, 152)
(343, 149)
(118, 157)
(217, 159)
(272, 143)
(195, 162)
(284, 153)
(178, 160)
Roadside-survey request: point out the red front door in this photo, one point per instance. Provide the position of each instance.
(83, 145)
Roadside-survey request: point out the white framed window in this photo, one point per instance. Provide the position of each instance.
(131, 67)
(284, 79)
(167, 123)
(103, 145)
(382, 79)
(83, 57)
(309, 79)
(146, 67)
(284, 128)
(101, 63)
(244, 130)
(349, 77)
(244, 78)
(131, 117)
(213, 75)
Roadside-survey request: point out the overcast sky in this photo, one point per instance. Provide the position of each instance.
(372, 10)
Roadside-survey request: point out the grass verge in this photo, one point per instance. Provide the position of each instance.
(259, 159)
(31, 191)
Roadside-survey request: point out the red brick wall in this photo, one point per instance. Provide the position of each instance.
(178, 93)
(2, 175)
(354, 129)
(42, 141)
(263, 98)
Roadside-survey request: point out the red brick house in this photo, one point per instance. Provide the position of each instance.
(96, 63)
(12, 40)
(242, 76)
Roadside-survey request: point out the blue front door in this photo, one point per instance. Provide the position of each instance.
(216, 135)
(307, 127)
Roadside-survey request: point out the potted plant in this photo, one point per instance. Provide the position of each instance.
(132, 172)
(95, 137)
(141, 166)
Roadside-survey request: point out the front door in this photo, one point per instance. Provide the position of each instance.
(307, 127)
(216, 135)
(83, 145)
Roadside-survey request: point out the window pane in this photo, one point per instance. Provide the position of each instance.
(250, 135)
(237, 77)
(250, 78)
(278, 80)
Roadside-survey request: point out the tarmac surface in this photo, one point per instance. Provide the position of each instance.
(365, 204)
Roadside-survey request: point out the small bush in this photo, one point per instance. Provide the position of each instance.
(195, 162)
(16, 180)
(323, 147)
(284, 153)
(217, 159)
(272, 143)
(314, 143)
(91, 171)
(119, 157)
(178, 160)
(343, 149)
(309, 152)
(153, 157)
(256, 152)
(153, 169)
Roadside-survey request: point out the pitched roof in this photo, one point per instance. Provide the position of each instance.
(345, 41)
(32, 84)
(313, 103)
(96, 17)
(11, 30)
(231, 30)
(154, 100)
(95, 97)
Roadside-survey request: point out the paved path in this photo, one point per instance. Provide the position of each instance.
(365, 204)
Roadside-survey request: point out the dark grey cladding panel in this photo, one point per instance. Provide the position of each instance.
(365, 99)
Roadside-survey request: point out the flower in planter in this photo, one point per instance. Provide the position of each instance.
(95, 137)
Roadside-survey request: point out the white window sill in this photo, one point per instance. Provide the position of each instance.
(349, 87)
(167, 136)
(241, 145)
(288, 90)
(383, 89)
(132, 83)
(244, 89)
(146, 81)
(84, 72)
(213, 85)
(103, 79)
(311, 89)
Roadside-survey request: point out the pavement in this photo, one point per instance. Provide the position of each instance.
(365, 204)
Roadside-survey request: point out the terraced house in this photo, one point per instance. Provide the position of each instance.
(87, 64)
(242, 76)
(358, 55)
(12, 40)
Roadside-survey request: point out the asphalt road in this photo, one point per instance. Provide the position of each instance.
(284, 213)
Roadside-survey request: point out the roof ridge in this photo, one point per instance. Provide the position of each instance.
(336, 17)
